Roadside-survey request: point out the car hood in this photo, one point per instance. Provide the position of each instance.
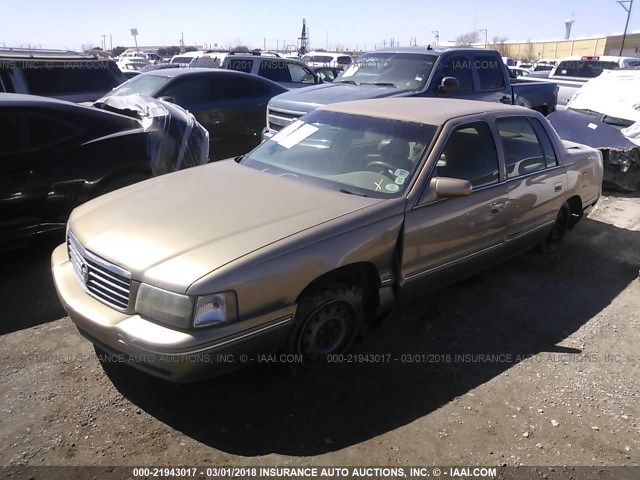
(172, 230)
(309, 98)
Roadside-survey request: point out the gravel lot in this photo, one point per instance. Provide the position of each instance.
(533, 363)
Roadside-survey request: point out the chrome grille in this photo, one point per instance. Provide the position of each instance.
(107, 282)
(278, 119)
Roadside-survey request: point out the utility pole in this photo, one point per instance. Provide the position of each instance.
(110, 42)
(384, 44)
(484, 30)
(626, 27)
(437, 36)
(104, 42)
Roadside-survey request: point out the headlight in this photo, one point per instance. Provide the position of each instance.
(164, 306)
(214, 309)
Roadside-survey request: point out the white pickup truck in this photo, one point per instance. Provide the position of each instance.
(572, 73)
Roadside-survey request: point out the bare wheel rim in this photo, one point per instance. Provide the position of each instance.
(559, 226)
(328, 330)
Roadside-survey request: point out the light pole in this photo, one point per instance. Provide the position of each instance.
(437, 36)
(484, 30)
(626, 27)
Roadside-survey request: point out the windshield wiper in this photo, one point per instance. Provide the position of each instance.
(352, 82)
(382, 84)
(344, 190)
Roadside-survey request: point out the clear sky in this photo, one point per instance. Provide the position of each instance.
(347, 24)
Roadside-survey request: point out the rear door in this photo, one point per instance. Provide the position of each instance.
(447, 238)
(536, 181)
(492, 86)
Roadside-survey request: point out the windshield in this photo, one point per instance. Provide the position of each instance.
(143, 84)
(350, 153)
(584, 68)
(401, 70)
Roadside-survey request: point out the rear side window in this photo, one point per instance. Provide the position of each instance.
(470, 154)
(69, 78)
(240, 65)
(459, 67)
(522, 149)
(275, 70)
(545, 142)
(490, 73)
(344, 60)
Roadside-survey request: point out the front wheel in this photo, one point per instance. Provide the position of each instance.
(327, 322)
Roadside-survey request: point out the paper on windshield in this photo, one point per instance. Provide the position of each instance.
(349, 72)
(298, 135)
(287, 130)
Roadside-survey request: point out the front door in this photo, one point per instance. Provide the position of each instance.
(449, 238)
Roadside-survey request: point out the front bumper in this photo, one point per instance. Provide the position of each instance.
(175, 355)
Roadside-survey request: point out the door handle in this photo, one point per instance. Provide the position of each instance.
(496, 207)
(558, 187)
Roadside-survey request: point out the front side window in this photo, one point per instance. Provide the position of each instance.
(459, 67)
(190, 91)
(522, 149)
(299, 74)
(349, 153)
(470, 154)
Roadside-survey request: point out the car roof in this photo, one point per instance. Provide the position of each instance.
(431, 50)
(178, 72)
(24, 100)
(601, 58)
(430, 111)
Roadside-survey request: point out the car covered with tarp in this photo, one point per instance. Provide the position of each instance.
(605, 114)
(55, 155)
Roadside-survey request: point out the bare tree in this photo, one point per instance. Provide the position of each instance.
(499, 44)
(87, 46)
(240, 49)
(467, 39)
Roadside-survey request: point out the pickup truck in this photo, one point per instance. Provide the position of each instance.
(464, 73)
(571, 73)
(324, 228)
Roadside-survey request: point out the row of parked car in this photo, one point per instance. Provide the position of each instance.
(364, 192)
(250, 97)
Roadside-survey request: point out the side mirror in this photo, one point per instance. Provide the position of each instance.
(451, 187)
(167, 99)
(448, 85)
(445, 187)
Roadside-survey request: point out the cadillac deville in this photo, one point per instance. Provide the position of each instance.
(344, 214)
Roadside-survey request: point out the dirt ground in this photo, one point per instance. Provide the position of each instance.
(533, 363)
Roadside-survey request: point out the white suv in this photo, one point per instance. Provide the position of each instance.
(327, 59)
(287, 72)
